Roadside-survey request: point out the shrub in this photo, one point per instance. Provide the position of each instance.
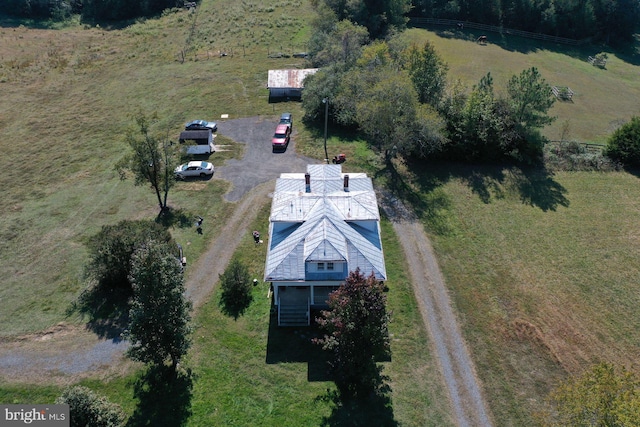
(236, 289)
(88, 409)
(624, 144)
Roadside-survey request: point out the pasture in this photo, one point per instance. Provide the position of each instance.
(603, 98)
(541, 267)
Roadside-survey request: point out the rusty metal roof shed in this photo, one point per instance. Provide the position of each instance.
(288, 78)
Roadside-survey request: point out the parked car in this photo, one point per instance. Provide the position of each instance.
(286, 119)
(281, 136)
(195, 168)
(201, 125)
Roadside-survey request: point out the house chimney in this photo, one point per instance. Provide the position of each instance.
(346, 183)
(307, 182)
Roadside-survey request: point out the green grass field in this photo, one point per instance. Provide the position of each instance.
(603, 98)
(541, 268)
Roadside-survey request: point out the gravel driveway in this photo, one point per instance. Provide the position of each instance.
(259, 164)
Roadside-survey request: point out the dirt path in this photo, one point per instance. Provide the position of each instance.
(468, 404)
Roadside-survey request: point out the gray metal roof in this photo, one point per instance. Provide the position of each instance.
(288, 78)
(328, 223)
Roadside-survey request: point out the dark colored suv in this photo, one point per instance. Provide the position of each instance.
(286, 119)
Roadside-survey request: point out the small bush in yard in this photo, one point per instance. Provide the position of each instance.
(89, 409)
(624, 144)
(236, 289)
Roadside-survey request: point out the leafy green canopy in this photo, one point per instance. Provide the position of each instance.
(111, 250)
(357, 334)
(604, 396)
(159, 327)
(89, 409)
(624, 144)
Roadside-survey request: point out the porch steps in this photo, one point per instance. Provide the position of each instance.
(294, 315)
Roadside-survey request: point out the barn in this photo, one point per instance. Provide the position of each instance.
(287, 85)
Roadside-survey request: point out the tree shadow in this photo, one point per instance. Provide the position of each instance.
(235, 303)
(374, 410)
(293, 345)
(172, 217)
(421, 188)
(106, 308)
(164, 398)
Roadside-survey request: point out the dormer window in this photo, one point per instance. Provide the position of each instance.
(329, 266)
(321, 266)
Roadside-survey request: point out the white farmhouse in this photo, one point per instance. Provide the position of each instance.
(323, 224)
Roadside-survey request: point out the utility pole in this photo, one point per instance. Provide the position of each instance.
(325, 101)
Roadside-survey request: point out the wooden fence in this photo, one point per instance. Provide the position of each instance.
(455, 23)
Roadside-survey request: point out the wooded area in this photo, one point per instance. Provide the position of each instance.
(607, 20)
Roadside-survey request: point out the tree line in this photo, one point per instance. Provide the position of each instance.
(607, 20)
(611, 21)
(398, 97)
(89, 10)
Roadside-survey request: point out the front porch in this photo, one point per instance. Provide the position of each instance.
(294, 305)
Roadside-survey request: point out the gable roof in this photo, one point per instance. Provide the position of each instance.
(327, 223)
(292, 78)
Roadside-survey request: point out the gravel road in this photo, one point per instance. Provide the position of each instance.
(456, 366)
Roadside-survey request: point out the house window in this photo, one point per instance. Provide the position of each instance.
(321, 266)
(329, 266)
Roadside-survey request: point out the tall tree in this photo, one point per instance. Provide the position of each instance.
(379, 17)
(152, 161)
(356, 334)
(531, 98)
(340, 43)
(111, 249)
(428, 73)
(386, 110)
(159, 328)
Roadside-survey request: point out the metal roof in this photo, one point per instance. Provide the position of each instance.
(288, 78)
(326, 223)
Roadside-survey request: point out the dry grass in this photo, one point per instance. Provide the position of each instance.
(543, 274)
(68, 97)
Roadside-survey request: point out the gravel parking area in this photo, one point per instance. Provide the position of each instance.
(259, 164)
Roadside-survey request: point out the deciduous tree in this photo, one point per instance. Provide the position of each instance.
(357, 334)
(159, 328)
(604, 396)
(428, 73)
(111, 249)
(624, 144)
(152, 160)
